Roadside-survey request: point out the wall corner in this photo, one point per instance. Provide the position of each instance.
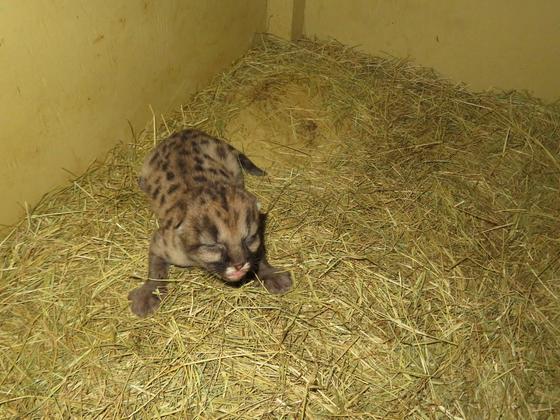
(285, 18)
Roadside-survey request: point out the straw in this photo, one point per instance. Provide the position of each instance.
(420, 221)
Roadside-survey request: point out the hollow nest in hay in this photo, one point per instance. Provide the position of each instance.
(420, 221)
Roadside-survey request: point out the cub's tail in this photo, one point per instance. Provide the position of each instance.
(249, 166)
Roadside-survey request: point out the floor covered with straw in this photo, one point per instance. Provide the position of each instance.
(420, 221)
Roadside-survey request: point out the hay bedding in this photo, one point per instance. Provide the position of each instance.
(420, 221)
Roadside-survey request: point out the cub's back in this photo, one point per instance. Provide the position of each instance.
(189, 158)
(186, 162)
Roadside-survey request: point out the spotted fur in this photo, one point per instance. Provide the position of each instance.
(206, 216)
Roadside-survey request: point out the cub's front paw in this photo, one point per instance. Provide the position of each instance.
(279, 282)
(143, 302)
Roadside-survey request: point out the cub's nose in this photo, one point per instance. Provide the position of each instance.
(238, 267)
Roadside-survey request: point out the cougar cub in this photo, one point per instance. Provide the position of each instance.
(206, 217)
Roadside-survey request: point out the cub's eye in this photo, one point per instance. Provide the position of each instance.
(251, 239)
(210, 247)
(210, 253)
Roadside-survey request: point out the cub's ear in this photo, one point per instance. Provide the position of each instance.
(262, 220)
(261, 232)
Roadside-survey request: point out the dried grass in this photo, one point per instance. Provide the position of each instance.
(420, 220)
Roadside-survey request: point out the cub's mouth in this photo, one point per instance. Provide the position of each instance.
(237, 272)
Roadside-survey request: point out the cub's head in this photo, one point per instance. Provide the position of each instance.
(222, 231)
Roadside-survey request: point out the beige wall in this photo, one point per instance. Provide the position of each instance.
(72, 72)
(285, 18)
(486, 43)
